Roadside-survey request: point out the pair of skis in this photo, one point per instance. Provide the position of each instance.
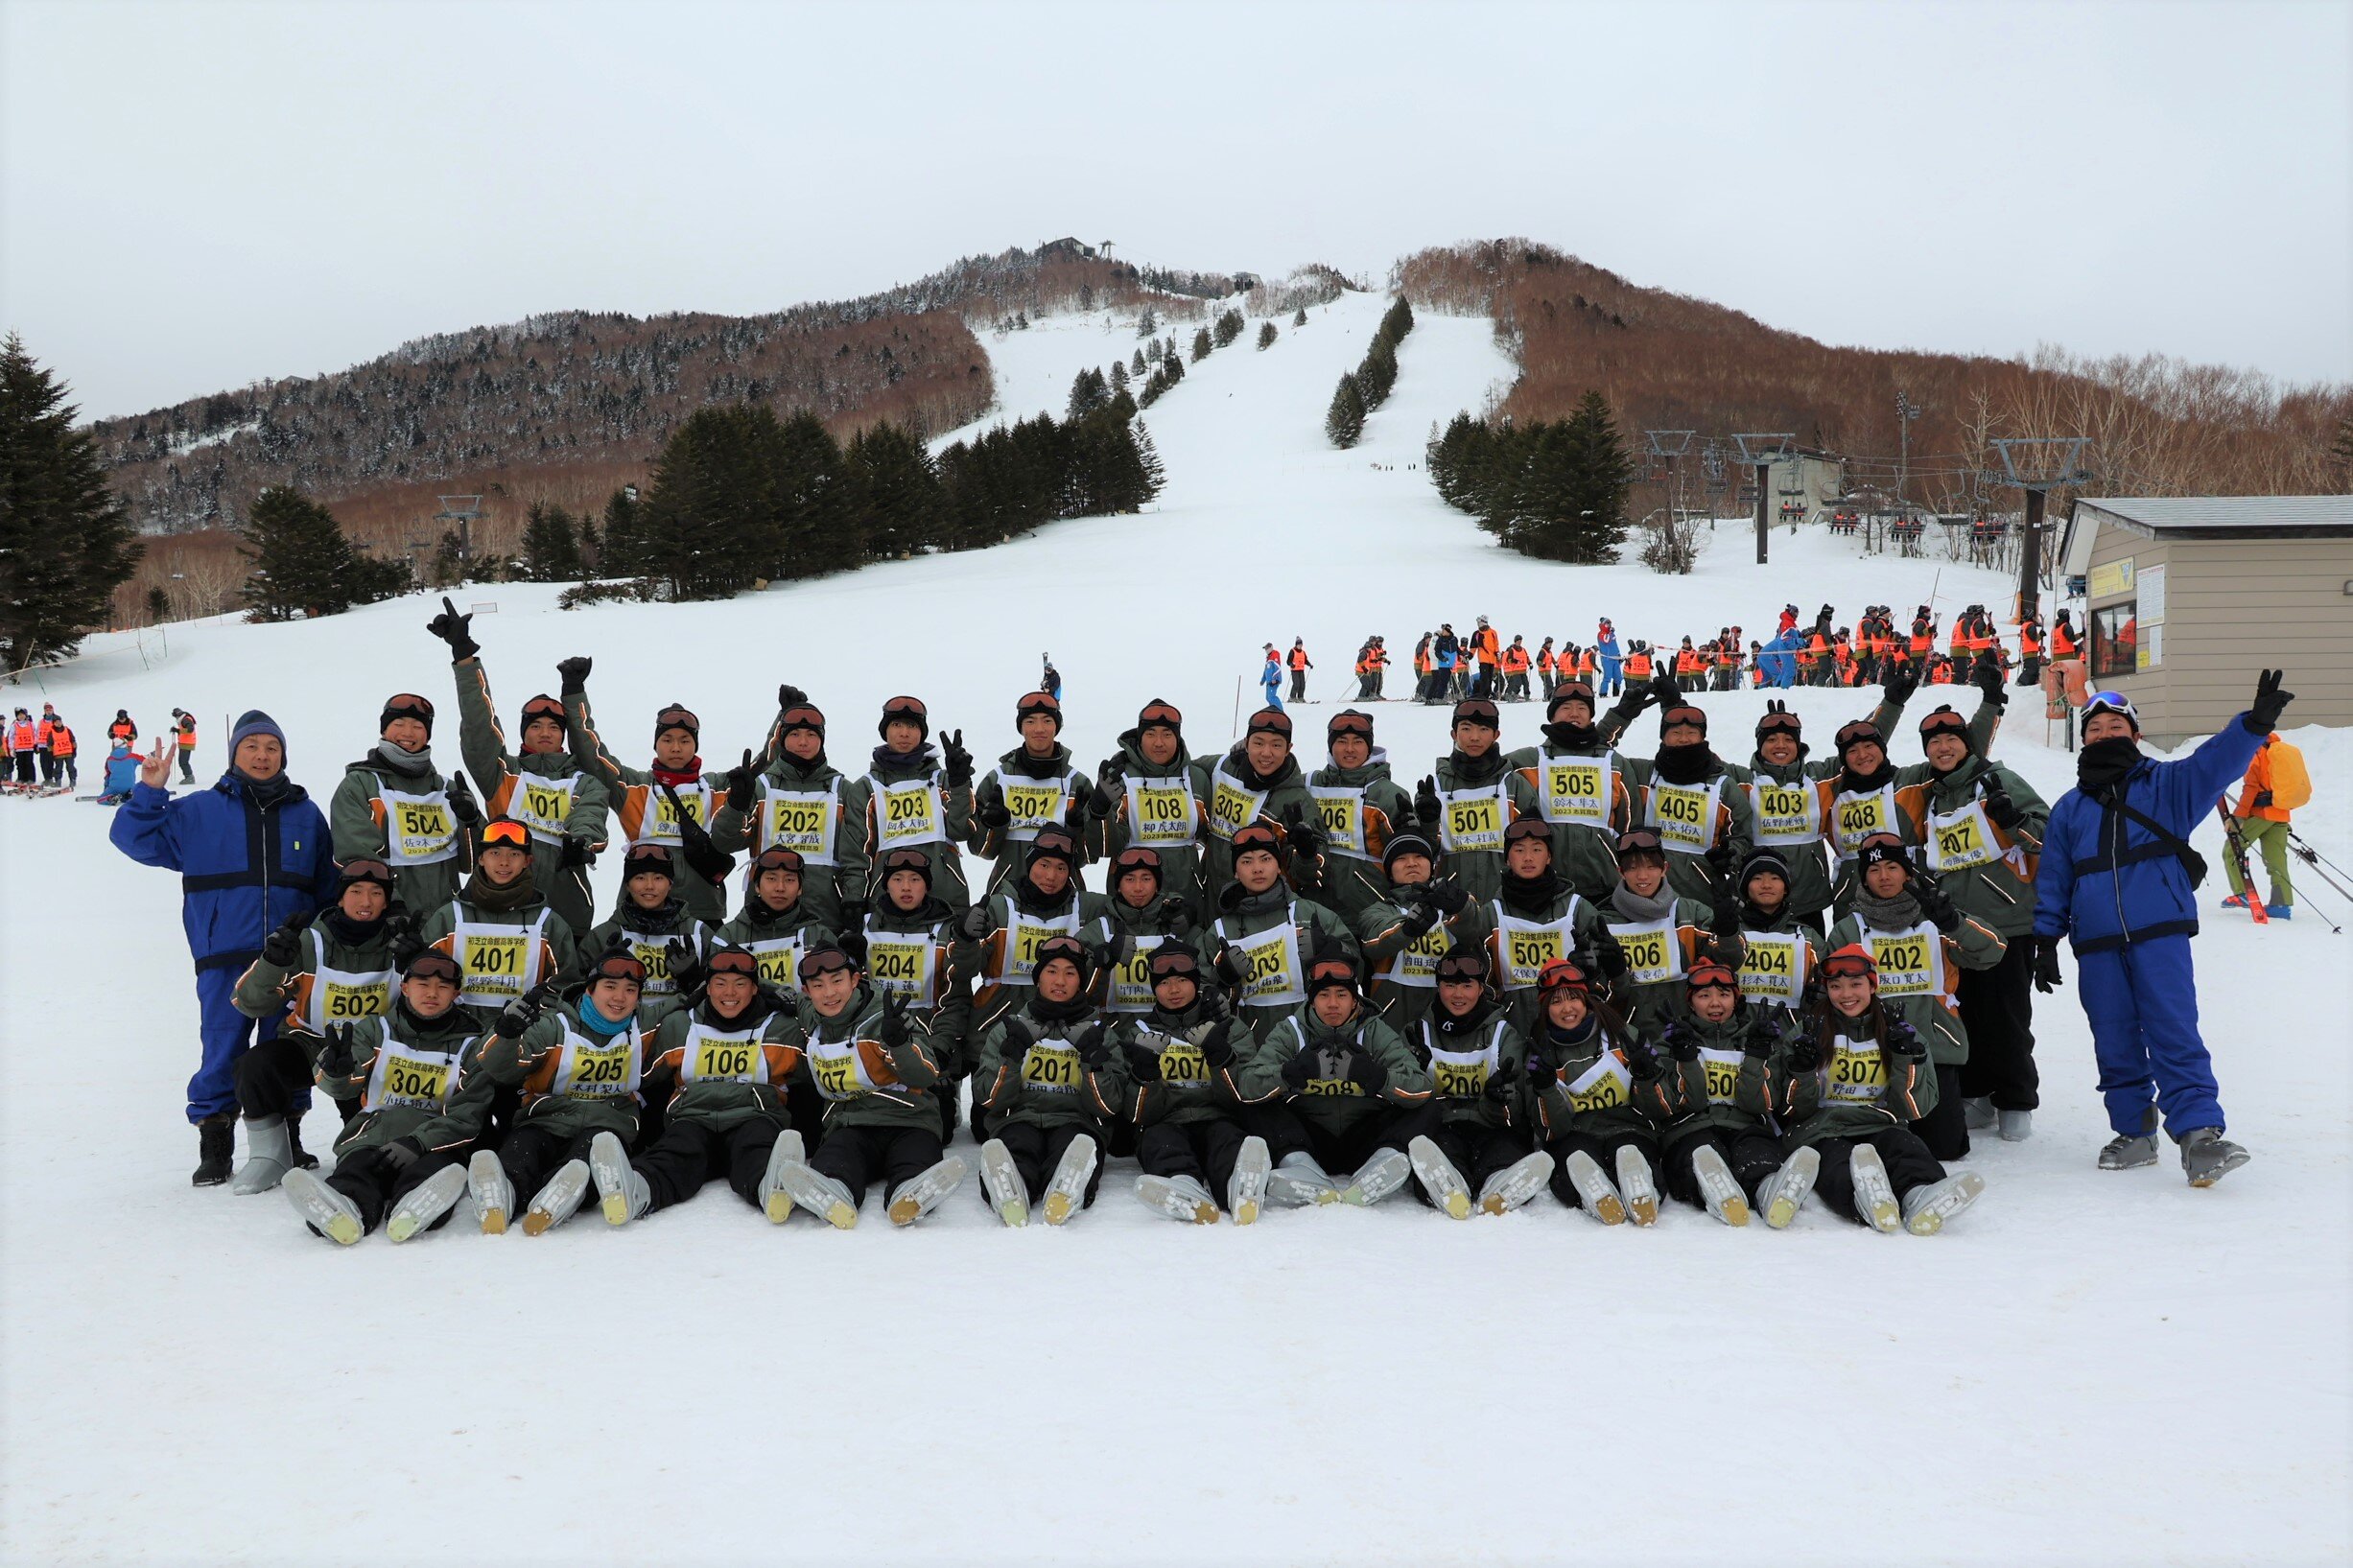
(2238, 859)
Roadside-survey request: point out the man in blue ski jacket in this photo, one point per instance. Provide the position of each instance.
(1613, 661)
(252, 853)
(2116, 880)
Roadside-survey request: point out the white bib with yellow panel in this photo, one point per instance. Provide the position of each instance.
(418, 829)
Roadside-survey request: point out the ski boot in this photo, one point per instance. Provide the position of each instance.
(494, 1196)
(2208, 1156)
(1786, 1192)
(1246, 1190)
(1376, 1178)
(828, 1199)
(1179, 1198)
(268, 1155)
(1066, 1191)
(2280, 911)
(1718, 1190)
(2238, 901)
(1874, 1199)
(325, 1210)
(215, 1145)
(621, 1192)
(1633, 1180)
(1299, 1182)
(1980, 1114)
(774, 1200)
(1515, 1184)
(1445, 1184)
(1000, 1179)
(923, 1195)
(2018, 1126)
(1927, 1208)
(1601, 1199)
(426, 1203)
(557, 1201)
(2129, 1151)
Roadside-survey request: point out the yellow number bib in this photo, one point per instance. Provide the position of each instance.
(1785, 813)
(1161, 813)
(906, 813)
(339, 1003)
(724, 1059)
(1051, 1069)
(1458, 1080)
(596, 1074)
(1183, 1063)
(1772, 968)
(837, 1076)
(1909, 962)
(1684, 818)
(1723, 1073)
(1651, 950)
(419, 1083)
(1473, 823)
(542, 805)
(1341, 813)
(418, 829)
(1418, 964)
(1859, 816)
(1577, 792)
(1232, 809)
(1960, 840)
(1032, 805)
(798, 823)
(1855, 1074)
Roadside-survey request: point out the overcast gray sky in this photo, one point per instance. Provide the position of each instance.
(194, 195)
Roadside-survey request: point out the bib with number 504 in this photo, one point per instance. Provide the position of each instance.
(418, 829)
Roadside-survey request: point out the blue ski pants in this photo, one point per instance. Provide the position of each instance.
(2142, 1001)
(226, 1034)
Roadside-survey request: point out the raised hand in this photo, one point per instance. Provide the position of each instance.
(283, 946)
(455, 629)
(959, 761)
(573, 674)
(463, 808)
(742, 783)
(2262, 713)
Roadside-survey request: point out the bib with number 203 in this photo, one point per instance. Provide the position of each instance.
(907, 815)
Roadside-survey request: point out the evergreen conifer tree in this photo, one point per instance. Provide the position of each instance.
(1299, 318)
(816, 527)
(1344, 421)
(302, 564)
(1148, 324)
(901, 507)
(550, 549)
(65, 541)
(708, 520)
(1266, 336)
(1201, 344)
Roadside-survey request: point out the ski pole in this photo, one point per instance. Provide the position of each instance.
(2305, 854)
(2303, 848)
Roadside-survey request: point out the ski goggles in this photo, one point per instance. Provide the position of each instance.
(1038, 702)
(1269, 721)
(541, 707)
(1849, 963)
(618, 966)
(1862, 731)
(1174, 964)
(365, 870)
(1158, 712)
(801, 716)
(2112, 702)
(407, 705)
(1349, 722)
(826, 960)
(1463, 966)
(907, 859)
(1683, 713)
(1560, 974)
(1257, 835)
(782, 860)
(677, 717)
(1779, 721)
(1708, 974)
(1944, 722)
(1528, 828)
(509, 832)
(907, 708)
(732, 961)
(1476, 711)
(1639, 841)
(435, 965)
(1571, 692)
(1331, 972)
(1137, 857)
(1069, 949)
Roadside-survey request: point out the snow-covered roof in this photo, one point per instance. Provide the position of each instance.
(2165, 514)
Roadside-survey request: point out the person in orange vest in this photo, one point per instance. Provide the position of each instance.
(1546, 669)
(1489, 648)
(23, 746)
(2064, 640)
(183, 731)
(1516, 671)
(1638, 663)
(124, 727)
(1299, 664)
(2275, 784)
(1923, 637)
(45, 740)
(1372, 669)
(63, 770)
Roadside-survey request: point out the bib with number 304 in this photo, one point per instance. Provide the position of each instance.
(409, 1078)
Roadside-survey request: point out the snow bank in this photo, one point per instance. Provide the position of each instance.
(2086, 1368)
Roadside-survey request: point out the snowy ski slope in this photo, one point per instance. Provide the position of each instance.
(2086, 1368)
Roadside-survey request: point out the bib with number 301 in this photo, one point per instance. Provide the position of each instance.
(1032, 804)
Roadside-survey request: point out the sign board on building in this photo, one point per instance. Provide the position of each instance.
(2115, 578)
(2153, 596)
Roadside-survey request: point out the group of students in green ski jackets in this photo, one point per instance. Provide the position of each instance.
(1558, 967)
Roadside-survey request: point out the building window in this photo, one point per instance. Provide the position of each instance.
(2115, 637)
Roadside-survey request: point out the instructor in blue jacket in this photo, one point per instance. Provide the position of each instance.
(2116, 880)
(251, 852)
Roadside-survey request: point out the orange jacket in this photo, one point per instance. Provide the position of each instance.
(1637, 667)
(2062, 646)
(24, 735)
(60, 739)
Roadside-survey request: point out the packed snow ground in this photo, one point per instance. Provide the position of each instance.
(2086, 1368)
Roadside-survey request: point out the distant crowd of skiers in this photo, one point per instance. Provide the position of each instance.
(1448, 667)
(1560, 967)
(43, 756)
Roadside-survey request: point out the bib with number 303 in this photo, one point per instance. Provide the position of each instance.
(1231, 808)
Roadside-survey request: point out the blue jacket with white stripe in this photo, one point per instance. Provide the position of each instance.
(244, 867)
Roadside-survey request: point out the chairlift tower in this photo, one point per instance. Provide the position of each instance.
(1761, 452)
(462, 510)
(2037, 465)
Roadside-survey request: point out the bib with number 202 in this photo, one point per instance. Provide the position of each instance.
(1601, 1087)
(798, 821)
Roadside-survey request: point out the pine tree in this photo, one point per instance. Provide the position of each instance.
(65, 541)
(1344, 422)
(1136, 367)
(1147, 457)
(1266, 336)
(550, 549)
(1377, 375)
(1229, 326)
(625, 550)
(1299, 318)
(1604, 477)
(901, 507)
(1201, 344)
(1090, 390)
(1119, 376)
(302, 564)
(1147, 325)
(816, 528)
(708, 522)
(158, 606)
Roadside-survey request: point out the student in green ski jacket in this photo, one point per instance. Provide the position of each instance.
(1535, 918)
(914, 952)
(1720, 1152)
(775, 924)
(1578, 782)
(1359, 809)
(1601, 1097)
(650, 923)
(1183, 1059)
(1356, 1096)
(794, 799)
(396, 806)
(499, 928)
(1471, 796)
(1033, 786)
(1145, 796)
(1257, 782)
(1044, 1087)
(1477, 1158)
(915, 795)
(1265, 934)
(672, 803)
(1404, 937)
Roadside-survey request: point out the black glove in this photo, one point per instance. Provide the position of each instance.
(2262, 713)
(1101, 802)
(1142, 1062)
(959, 761)
(1542, 1074)
(1218, 1045)
(1448, 896)
(1300, 1070)
(1682, 1042)
(743, 785)
(2263, 798)
(400, 1154)
(1902, 684)
(1804, 1053)
(400, 937)
(891, 1028)
(1504, 1082)
(1936, 906)
(1175, 917)
(1306, 840)
(1019, 1036)
(1228, 967)
(1904, 1040)
(573, 674)
(684, 969)
(1090, 1048)
(1641, 1060)
(283, 946)
(1610, 955)
(575, 852)
(2046, 963)
(336, 1057)
(1664, 690)
(1363, 1072)
(1724, 917)
(1110, 771)
(992, 812)
(790, 695)
(1986, 676)
(455, 630)
(1419, 917)
(1426, 803)
(854, 914)
(1719, 858)
(1763, 1030)
(695, 845)
(974, 923)
(463, 808)
(2000, 808)
(521, 1014)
